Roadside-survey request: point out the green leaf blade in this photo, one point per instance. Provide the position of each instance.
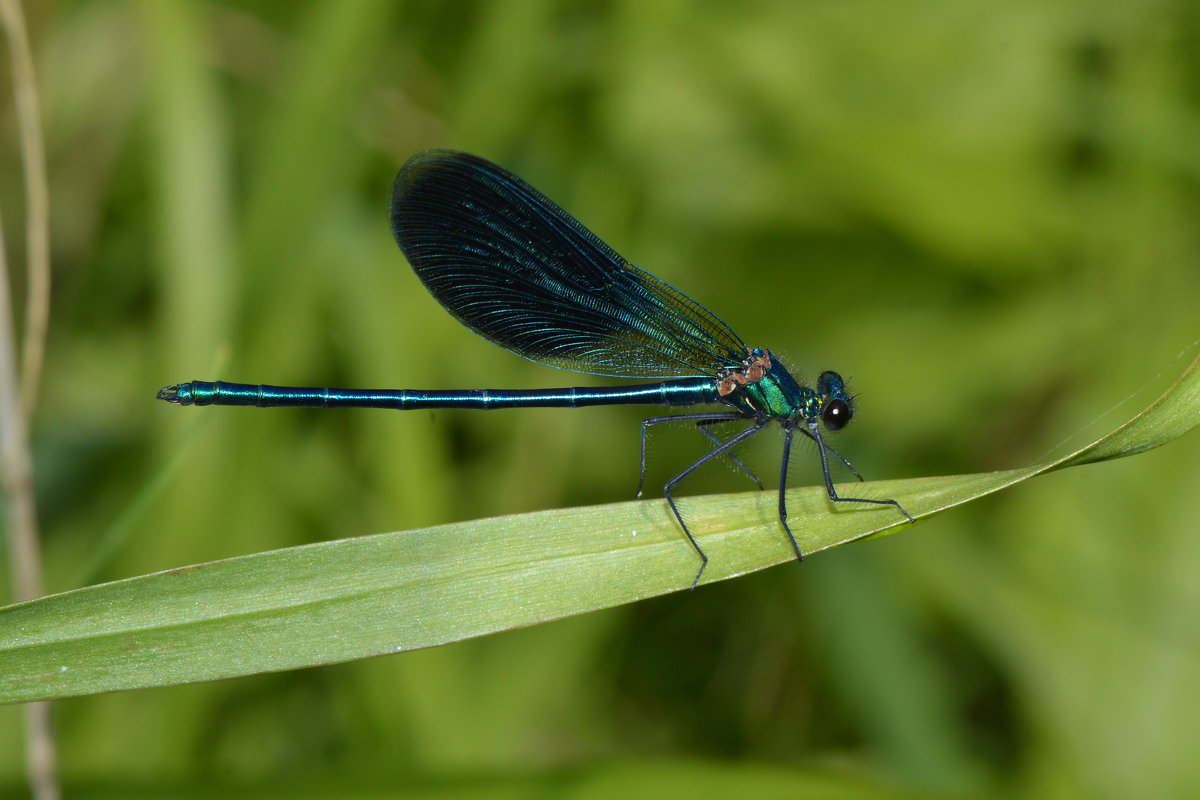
(353, 598)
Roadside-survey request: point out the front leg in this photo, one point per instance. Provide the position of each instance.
(814, 433)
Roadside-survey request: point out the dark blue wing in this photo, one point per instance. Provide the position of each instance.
(518, 270)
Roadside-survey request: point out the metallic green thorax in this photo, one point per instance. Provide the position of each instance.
(763, 388)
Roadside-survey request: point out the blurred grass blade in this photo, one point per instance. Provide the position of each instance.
(348, 599)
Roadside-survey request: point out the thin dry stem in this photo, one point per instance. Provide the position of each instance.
(16, 462)
(37, 202)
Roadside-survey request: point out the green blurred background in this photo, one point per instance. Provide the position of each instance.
(986, 216)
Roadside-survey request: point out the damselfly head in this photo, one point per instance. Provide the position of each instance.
(837, 407)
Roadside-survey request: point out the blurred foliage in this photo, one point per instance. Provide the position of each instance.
(985, 215)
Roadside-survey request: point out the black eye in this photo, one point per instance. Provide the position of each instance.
(836, 414)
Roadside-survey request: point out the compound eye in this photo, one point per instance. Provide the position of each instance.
(836, 414)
